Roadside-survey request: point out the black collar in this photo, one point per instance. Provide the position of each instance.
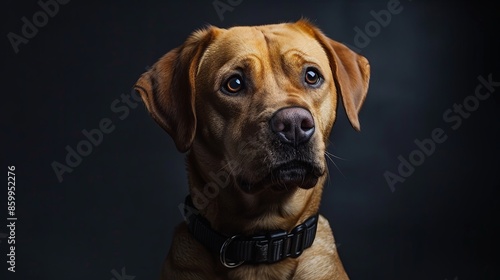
(235, 250)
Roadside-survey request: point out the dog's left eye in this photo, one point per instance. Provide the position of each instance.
(312, 77)
(233, 85)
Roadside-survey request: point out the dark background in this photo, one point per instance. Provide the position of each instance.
(118, 207)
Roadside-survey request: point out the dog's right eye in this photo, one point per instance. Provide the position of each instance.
(312, 77)
(233, 85)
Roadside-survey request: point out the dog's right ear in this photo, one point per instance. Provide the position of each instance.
(351, 72)
(168, 88)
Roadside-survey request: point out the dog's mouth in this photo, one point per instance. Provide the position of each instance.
(285, 177)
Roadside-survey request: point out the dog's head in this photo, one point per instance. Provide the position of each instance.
(259, 101)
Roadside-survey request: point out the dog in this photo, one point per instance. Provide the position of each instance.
(253, 107)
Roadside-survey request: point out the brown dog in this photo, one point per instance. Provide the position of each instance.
(254, 107)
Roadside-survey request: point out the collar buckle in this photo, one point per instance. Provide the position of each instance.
(273, 247)
(222, 254)
(298, 240)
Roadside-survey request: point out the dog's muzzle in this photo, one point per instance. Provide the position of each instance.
(295, 174)
(293, 126)
(291, 130)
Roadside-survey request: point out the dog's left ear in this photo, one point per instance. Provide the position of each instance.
(351, 72)
(168, 88)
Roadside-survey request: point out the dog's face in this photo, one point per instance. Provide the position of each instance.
(258, 102)
(266, 106)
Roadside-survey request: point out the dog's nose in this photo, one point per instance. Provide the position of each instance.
(293, 125)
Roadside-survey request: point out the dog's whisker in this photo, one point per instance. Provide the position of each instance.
(328, 177)
(328, 156)
(248, 143)
(332, 155)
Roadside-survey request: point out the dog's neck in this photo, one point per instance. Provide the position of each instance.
(231, 211)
